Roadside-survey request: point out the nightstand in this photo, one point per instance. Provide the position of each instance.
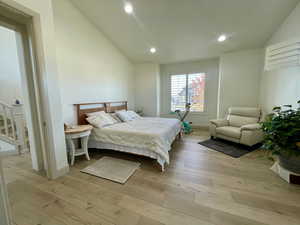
(79, 132)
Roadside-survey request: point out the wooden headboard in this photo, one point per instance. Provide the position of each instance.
(84, 108)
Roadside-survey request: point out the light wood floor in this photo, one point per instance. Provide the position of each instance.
(200, 186)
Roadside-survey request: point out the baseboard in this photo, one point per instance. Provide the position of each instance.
(201, 127)
(23, 151)
(9, 153)
(61, 172)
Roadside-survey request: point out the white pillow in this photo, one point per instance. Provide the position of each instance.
(105, 115)
(109, 118)
(134, 115)
(124, 116)
(114, 115)
(98, 121)
(99, 113)
(101, 119)
(127, 115)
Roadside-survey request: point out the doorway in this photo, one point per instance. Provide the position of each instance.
(22, 134)
(12, 110)
(20, 121)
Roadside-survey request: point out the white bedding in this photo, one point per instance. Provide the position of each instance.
(148, 133)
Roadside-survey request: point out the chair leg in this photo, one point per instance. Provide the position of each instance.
(179, 136)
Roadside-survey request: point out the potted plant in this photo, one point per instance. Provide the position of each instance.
(282, 136)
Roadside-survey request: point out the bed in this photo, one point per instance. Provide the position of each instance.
(148, 136)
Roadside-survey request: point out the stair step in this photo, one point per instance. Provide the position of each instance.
(8, 139)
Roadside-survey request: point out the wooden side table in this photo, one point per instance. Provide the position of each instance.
(82, 132)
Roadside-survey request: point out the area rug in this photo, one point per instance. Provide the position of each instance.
(114, 169)
(229, 148)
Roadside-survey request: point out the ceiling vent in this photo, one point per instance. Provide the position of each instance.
(284, 54)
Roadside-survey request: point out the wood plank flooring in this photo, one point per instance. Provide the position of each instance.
(200, 187)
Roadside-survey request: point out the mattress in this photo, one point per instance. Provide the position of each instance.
(152, 136)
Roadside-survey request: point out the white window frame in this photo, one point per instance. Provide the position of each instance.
(204, 112)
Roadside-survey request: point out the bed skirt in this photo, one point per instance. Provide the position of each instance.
(131, 150)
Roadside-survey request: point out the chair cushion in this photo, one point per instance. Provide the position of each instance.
(238, 121)
(245, 111)
(229, 131)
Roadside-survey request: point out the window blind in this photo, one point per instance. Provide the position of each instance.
(188, 88)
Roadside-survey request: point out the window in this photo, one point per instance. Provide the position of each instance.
(188, 88)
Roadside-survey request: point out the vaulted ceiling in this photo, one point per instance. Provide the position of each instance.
(183, 30)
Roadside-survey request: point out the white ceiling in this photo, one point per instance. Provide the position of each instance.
(185, 30)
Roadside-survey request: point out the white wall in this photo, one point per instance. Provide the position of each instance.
(147, 88)
(91, 68)
(239, 79)
(211, 68)
(282, 86)
(10, 77)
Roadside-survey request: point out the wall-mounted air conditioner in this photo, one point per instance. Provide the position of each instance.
(283, 54)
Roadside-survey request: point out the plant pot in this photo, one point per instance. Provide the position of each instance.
(290, 163)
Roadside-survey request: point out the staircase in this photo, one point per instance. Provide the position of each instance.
(12, 126)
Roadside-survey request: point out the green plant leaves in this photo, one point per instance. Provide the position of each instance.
(277, 108)
(282, 131)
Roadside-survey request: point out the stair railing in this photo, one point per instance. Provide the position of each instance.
(8, 130)
(12, 126)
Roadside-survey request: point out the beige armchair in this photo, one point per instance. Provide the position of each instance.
(241, 126)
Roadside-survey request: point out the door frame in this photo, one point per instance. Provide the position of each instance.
(31, 85)
(37, 18)
(31, 65)
(5, 213)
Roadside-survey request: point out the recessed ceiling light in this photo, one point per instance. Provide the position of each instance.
(152, 50)
(128, 8)
(222, 38)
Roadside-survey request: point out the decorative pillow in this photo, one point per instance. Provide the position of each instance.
(113, 115)
(127, 115)
(99, 113)
(110, 118)
(124, 116)
(101, 119)
(134, 115)
(98, 121)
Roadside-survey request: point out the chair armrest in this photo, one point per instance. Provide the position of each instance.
(254, 126)
(220, 122)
